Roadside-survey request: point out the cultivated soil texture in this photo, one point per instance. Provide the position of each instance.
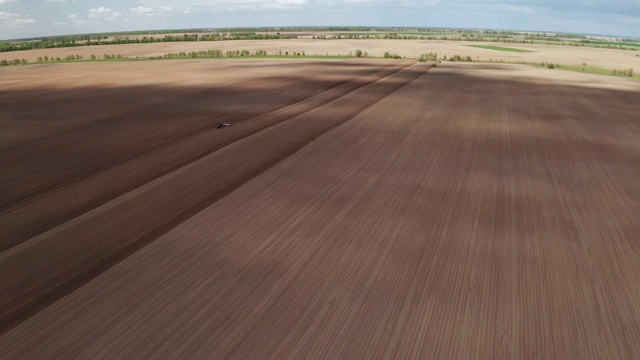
(356, 209)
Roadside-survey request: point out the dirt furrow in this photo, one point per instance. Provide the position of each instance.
(35, 168)
(478, 211)
(77, 251)
(59, 206)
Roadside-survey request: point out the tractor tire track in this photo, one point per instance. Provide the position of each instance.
(63, 204)
(77, 251)
(33, 169)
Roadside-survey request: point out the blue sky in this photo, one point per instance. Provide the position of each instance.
(30, 18)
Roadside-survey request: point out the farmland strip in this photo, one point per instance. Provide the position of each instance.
(52, 209)
(30, 170)
(75, 252)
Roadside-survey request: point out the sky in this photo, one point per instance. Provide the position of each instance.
(33, 18)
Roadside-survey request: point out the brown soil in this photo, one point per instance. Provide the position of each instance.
(470, 211)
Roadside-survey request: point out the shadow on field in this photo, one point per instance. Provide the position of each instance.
(131, 148)
(53, 139)
(58, 137)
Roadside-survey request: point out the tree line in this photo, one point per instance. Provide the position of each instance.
(622, 72)
(6, 47)
(13, 62)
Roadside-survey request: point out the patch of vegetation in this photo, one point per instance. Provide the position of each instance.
(13, 62)
(206, 54)
(499, 48)
(580, 68)
(388, 55)
(428, 57)
(466, 58)
(90, 40)
(623, 72)
(627, 44)
(586, 68)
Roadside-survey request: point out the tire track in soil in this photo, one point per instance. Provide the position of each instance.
(46, 268)
(61, 205)
(123, 116)
(18, 195)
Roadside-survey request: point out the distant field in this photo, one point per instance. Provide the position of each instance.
(604, 58)
(592, 70)
(587, 69)
(614, 43)
(499, 48)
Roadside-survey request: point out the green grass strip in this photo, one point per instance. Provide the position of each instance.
(586, 69)
(499, 48)
(579, 68)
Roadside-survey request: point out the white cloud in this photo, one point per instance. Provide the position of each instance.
(104, 13)
(283, 4)
(2, 2)
(59, 23)
(114, 16)
(7, 16)
(227, 6)
(148, 11)
(19, 22)
(516, 9)
(71, 17)
(291, 2)
(59, 1)
(141, 10)
(101, 12)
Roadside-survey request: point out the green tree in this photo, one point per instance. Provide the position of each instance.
(358, 53)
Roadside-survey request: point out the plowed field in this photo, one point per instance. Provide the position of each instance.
(355, 209)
